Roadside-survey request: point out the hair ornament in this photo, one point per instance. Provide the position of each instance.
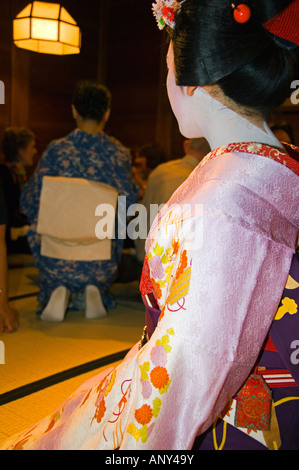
(284, 26)
(242, 13)
(165, 12)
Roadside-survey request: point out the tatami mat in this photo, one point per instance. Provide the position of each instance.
(39, 350)
(19, 415)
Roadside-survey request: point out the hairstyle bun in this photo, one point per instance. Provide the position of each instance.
(211, 47)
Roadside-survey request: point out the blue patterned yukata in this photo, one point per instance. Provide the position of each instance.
(78, 155)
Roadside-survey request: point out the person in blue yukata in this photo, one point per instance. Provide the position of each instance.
(87, 152)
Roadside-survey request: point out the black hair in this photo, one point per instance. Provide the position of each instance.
(244, 59)
(14, 139)
(153, 153)
(91, 100)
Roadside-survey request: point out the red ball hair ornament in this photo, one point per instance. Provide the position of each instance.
(242, 13)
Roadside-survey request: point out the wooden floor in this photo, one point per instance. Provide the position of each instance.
(45, 362)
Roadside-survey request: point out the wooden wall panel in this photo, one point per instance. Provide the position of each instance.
(133, 66)
(52, 78)
(39, 86)
(5, 63)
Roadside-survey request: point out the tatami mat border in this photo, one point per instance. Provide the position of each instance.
(38, 385)
(23, 296)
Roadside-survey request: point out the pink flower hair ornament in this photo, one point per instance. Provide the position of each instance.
(165, 12)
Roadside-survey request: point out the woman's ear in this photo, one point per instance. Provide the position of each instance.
(107, 115)
(74, 112)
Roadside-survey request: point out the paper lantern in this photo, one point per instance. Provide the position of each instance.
(47, 28)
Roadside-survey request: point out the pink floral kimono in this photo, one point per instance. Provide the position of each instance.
(218, 259)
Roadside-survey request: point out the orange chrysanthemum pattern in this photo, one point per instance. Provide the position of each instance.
(144, 414)
(159, 377)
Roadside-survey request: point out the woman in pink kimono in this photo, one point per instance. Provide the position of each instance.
(218, 366)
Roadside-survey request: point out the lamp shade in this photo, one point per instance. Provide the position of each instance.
(47, 28)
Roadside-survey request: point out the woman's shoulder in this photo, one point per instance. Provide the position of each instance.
(114, 144)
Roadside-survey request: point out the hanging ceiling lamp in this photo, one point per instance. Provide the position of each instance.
(47, 28)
